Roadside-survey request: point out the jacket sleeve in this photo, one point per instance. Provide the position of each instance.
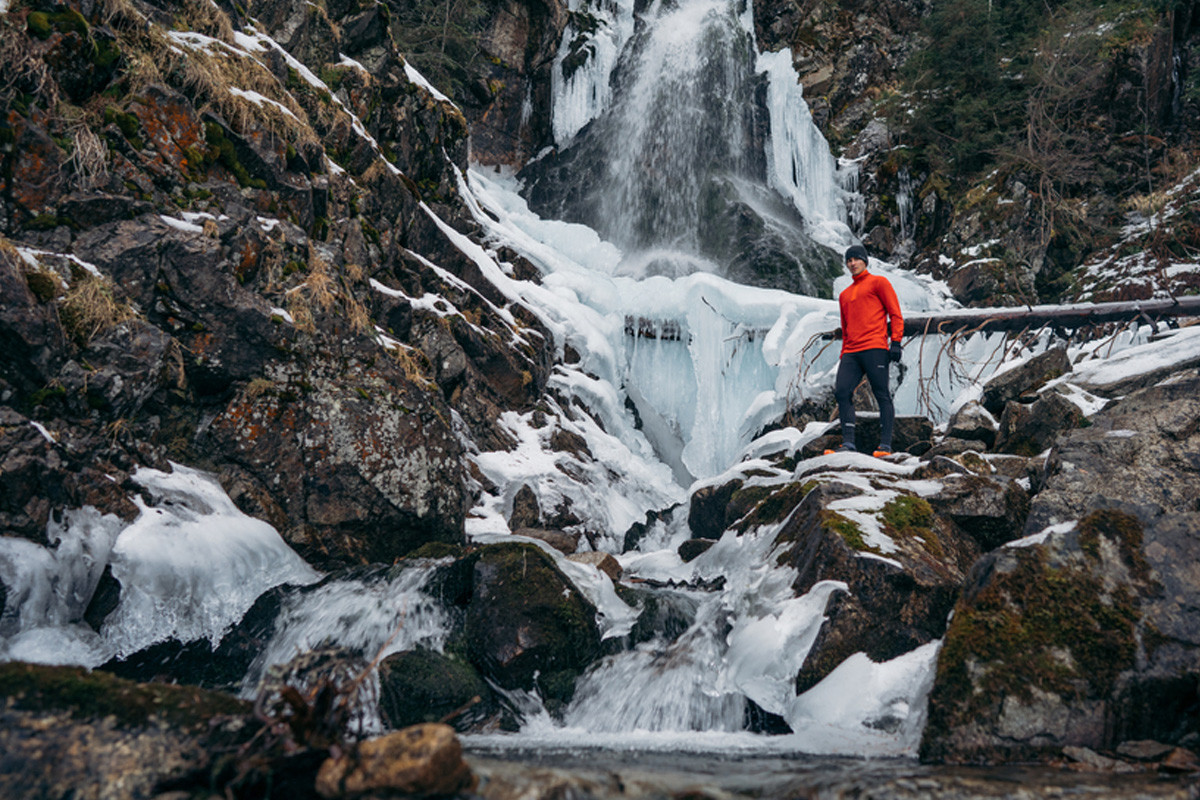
(891, 304)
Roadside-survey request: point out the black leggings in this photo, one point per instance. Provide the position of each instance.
(852, 367)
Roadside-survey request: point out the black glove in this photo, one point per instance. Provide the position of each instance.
(894, 351)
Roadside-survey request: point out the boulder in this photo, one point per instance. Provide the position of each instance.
(1089, 638)
(420, 761)
(1027, 430)
(990, 509)
(913, 586)
(419, 686)
(974, 423)
(68, 732)
(1024, 379)
(527, 626)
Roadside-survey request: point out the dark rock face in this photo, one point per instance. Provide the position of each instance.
(527, 626)
(1073, 641)
(1026, 430)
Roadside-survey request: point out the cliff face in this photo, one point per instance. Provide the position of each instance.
(213, 231)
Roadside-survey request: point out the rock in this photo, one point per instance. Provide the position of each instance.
(421, 761)
(691, 549)
(973, 422)
(1180, 760)
(991, 510)
(1143, 750)
(707, 516)
(525, 511)
(1089, 635)
(1027, 430)
(914, 588)
(65, 731)
(1093, 760)
(1024, 379)
(601, 561)
(419, 686)
(563, 542)
(198, 663)
(527, 626)
(953, 447)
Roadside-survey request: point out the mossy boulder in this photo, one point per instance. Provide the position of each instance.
(896, 600)
(419, 686)
(528, 627)
(1088, 639)
(67, 732)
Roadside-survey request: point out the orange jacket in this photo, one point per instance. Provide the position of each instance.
(866, 306)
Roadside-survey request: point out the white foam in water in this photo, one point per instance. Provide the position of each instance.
(192, 564)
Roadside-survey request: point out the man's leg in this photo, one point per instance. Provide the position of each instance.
(849, 373)
(875, 363)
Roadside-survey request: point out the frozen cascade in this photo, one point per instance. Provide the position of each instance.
(595, 36)
(191, 564)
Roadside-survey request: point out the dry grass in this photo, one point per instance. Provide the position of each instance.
(88, 164)
(89, 308)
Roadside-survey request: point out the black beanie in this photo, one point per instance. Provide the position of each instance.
(857, 251)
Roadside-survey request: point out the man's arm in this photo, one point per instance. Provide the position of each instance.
(891, 304)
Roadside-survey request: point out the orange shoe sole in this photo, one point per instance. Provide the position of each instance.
(882, 453)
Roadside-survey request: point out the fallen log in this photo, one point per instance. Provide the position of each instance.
(1065, 317)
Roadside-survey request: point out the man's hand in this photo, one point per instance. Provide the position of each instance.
(894, 351)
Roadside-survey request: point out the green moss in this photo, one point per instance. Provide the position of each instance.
(847, 529)
(98, 695)
(771, 503)
(437, 550)
(911, 517)
(45, 395)
(226, 153)
(44, 285)
(1053, 629)
(43, 222)
(1124, 530)
(38, 24)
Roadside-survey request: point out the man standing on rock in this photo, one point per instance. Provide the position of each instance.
(869, 309)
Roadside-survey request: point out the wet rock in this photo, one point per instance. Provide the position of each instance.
(601, 561)
(421, 761)
(951, 446)
(707, 515)
(563, 542)
(420, 686)
(527, 626)
(1024, 379)
(914, 587)
(692, 549)
(198, 663)
(1027, 430)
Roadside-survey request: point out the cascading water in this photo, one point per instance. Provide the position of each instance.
(681, 119)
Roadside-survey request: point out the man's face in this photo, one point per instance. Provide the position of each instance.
(856, 265)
